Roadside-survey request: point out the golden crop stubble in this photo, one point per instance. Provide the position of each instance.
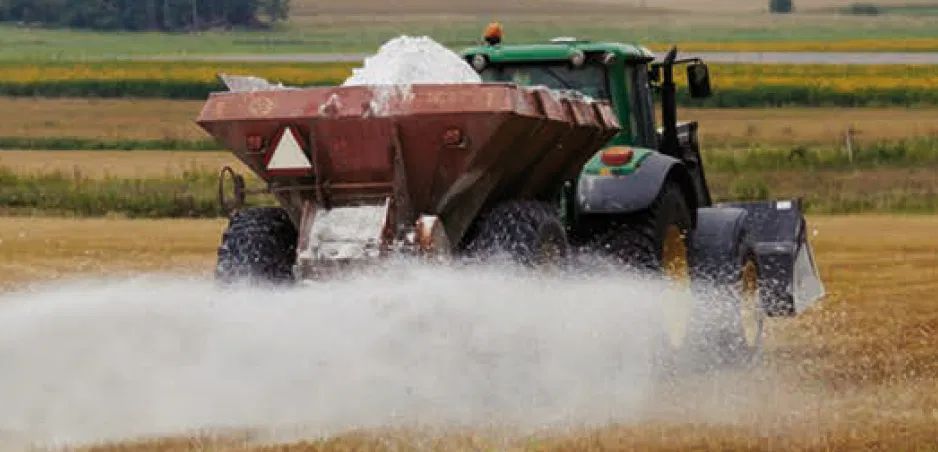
(858, 369)
(143, 119)
(35, 249)
(118, 164)
(803, 126)
(100, 119)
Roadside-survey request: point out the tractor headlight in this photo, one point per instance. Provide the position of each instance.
(479, 62)
(578, 58)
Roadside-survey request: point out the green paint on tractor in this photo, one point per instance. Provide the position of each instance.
(596, 166)
(558, 51)
(607, 72)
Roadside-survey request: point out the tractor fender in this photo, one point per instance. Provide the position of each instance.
(614, 194)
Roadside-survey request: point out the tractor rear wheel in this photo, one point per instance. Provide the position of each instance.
(657, 241)
(654, 240)
(529, 232)
(259, 246)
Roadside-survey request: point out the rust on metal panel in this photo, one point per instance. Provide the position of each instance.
(608, 115)
(572, 112)
(526, 103)
(553, 109)
(431, 239)
(261, 106)
(219, 108)
(307, 216)
(401, 210)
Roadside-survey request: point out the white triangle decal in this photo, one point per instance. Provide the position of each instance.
(288, 155)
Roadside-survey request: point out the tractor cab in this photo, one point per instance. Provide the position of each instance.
(625, 75)
(617, 73)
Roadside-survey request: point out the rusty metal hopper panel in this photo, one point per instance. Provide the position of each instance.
(449, 149)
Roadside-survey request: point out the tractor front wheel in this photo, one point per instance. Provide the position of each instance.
(258, 247)
(726, 282)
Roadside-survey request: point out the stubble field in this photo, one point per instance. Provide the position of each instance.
(153, 119)
(857, 371)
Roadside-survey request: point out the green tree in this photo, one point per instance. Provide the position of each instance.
(166, 15)
(781, 6)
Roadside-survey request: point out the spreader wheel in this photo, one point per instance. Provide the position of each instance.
(529, 232)
(259, 246)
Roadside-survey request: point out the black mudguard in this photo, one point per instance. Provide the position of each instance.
(789, 279)
(626, 194)
(716, 241)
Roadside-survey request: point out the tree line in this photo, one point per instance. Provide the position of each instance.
(144, 15)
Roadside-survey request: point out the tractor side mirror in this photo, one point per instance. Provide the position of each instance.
(698, 80)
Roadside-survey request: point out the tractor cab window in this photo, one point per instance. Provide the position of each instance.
(590, 79)
(642, 105)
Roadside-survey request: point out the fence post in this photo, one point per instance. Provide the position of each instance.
(848, 143)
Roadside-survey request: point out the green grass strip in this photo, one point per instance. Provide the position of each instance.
(894, 153)
(190, 195)
(160, 89)
(804, 96)
(735, 173)
(762, 96)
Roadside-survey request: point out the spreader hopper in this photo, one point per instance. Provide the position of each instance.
(364, 169)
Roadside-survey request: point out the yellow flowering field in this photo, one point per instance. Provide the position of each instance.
(187, 71)
(736, 85)
(841, 77)
(845, 78)
(748, 85)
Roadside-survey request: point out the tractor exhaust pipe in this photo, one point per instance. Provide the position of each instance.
(669, 141)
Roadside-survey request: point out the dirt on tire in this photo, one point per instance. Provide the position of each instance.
(529, 232)
(259, 246)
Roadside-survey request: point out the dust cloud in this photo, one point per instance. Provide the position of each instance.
(407, 345)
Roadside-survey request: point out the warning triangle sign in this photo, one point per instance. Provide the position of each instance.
(288, 156)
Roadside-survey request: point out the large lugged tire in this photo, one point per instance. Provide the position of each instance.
(641, 240)
(656, 241)
(259, 246)
(529, 232)
(729, 319)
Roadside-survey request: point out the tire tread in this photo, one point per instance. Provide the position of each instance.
(258, 246)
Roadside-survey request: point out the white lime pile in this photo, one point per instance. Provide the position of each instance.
(407, 60)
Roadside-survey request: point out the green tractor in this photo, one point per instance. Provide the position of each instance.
(559, 147)
(643, 200)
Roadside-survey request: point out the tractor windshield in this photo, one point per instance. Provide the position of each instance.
(589, 79)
